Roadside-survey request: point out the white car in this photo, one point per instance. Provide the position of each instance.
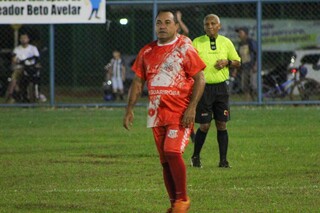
(310, 59)
(307, 63)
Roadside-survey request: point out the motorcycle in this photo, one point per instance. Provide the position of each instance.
(28, 90)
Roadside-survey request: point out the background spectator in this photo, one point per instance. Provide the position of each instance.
(116, 72)
(248, 71)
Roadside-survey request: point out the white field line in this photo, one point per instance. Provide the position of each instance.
(101, 190)
(190, 188)
(269, 188)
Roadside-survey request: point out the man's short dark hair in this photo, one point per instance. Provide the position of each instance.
(24, 33)
(169, 11)
(244, 29)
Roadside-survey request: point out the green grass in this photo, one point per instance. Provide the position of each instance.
(82, 160)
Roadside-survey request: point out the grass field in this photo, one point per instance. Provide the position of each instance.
(82, 160)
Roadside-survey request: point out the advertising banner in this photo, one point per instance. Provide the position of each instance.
(52, 11)
(277, 35)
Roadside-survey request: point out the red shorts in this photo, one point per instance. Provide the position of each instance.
(172, 138)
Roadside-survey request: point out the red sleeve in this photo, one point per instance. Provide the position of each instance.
(192, 62)
(138, 65)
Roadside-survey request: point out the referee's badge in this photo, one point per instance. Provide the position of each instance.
(226, 113)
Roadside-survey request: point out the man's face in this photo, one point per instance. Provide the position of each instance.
(242, 35)
(211, 26)
(166, 28)
(116, 54)
(24, 39)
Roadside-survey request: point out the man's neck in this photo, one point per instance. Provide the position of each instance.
(168, 43)
(213, 36)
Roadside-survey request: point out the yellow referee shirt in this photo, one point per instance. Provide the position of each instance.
(224, 50)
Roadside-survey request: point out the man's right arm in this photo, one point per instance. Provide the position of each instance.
(134, 94)
(197, 91)
(183, 26)
(14, 58)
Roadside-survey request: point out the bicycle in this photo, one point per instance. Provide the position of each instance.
(297, 86)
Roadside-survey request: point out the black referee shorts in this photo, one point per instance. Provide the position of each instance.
(214, 104)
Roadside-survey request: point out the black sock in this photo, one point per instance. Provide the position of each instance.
(222, 137)
(198, 142)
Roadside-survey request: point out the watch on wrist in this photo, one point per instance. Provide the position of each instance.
(229, 63)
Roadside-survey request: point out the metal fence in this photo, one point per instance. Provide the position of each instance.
(73, 56)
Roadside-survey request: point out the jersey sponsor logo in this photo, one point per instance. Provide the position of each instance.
(173, 133)
(164, 92)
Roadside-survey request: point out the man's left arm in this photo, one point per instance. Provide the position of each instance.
(233, 57)
(234, 64)
(220, 64)
(232, 60)
(197, 91)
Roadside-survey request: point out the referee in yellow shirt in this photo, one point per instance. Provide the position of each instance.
(219, 54)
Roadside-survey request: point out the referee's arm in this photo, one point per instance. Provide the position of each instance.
(234, 64)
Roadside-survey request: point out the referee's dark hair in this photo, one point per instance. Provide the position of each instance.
(169, 11)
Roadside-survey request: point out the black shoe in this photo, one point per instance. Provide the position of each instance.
(224, 164)
(195, 162)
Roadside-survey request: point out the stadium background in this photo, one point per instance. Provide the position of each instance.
(81, 50)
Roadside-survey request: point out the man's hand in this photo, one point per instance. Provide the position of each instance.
(188, 117)
(220, 64)
(128, 119)
(179, 15)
